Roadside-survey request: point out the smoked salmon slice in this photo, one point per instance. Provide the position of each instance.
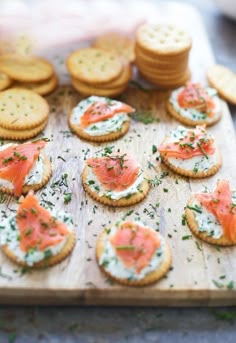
(104, 109)
(115, 172)
(135, 245)
(195, 96)
(38, 228)
(219, 203)
(17, 161)
(195, 143)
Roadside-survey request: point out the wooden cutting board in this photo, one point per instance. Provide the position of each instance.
(201, 274)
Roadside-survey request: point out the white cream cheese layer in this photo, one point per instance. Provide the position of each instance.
(114, 266)
(207, 222)
(194, 114)
(9, 235)
(35, 175)
(102, 127)
(93, 182)
(196, 163)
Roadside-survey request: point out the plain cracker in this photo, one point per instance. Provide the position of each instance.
(118, 44)
(5, 81)
(88, 90)
(22, 109)
(224, 81)
(42, 88)
(94, 66)
(163, 39)
(25, 68)
(22, 134)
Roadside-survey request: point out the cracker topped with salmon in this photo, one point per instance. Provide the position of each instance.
(115, 179)
(100, 119)
(191, 152)
(23, 167)
(133, 254)
(35, 237)
(195, 104)
(212, 216)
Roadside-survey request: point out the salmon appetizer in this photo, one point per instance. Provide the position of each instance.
(115, 179)
(191, 152)
(212, 216)
(100, 119)
(23, 167)
(195, 104)
(34, 237)
(133, 254)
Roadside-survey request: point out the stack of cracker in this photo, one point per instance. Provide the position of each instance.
(23, 114)
(118, 44)
(29, 72)
(5, 81)
(162, 52)
(98, 72)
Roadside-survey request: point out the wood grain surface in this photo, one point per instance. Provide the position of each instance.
(201, 274)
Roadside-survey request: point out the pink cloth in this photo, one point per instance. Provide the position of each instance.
(55, 23)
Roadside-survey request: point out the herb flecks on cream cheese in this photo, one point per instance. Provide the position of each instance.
(35, 175)
(194, 113)
(115, 266)
(201, 162)
(10, 236)
(93, 182)
(102, 127)
(207, 222)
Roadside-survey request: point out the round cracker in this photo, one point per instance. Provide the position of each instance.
(168, 84)
(133, 199)
(163, 39)
(22, 134)
(193, 225)
(88, 90)
(22, 109)
(164, 61)
(94, 66)
(118, 44)
(166, 78)
(190, 173)
(47, 172)
(162, 74)
(5, 81)
(224, 81)
(42, 88)
(187, 121)
(119, 82)
(25, 68)
(102, 138)
(161, 69)
(50, 261)
(150, 278)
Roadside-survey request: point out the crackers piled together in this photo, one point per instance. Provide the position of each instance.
(23, 114)
(162, 52)
(98, 72)
(118, 44)
(27, 72)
